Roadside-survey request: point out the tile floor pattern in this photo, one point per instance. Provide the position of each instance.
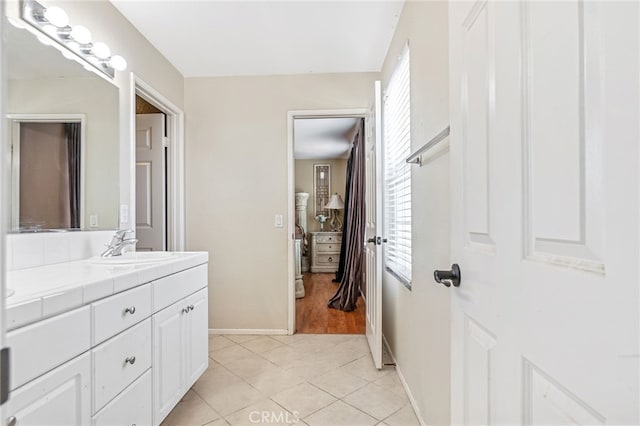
(304, 379)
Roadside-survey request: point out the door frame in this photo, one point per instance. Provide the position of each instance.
(175, 198)
(15, 121)
(291, 175)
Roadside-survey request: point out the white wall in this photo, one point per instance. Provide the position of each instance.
(416, 321)
(237, 181)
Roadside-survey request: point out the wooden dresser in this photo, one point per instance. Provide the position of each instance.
(325, 251)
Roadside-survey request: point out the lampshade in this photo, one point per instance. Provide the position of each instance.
(335, 203)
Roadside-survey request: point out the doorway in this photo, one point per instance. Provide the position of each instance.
(48, 172)
(159, 171)
(320, 145)
(151, 176)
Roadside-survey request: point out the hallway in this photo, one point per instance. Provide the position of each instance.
(313, 315)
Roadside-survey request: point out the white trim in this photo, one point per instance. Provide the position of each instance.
(292, 115)
(261, 331)
(407, 390)
(175, 181)
(15, 120)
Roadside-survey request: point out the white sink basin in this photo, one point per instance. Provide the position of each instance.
(134, 258)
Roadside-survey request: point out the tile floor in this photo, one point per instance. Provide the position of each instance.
(304, 379)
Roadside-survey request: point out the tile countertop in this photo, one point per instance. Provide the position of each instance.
(50, 290)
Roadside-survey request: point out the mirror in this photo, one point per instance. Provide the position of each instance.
(64, 136)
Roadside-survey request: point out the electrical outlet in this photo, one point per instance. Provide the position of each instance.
(93, 221)
(279, 221)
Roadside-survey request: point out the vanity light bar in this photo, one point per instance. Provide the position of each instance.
(54, 23)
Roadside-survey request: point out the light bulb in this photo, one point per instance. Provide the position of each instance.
(50, 29)
(81, 34)
(118, 63)
(56, 16)
(73, 45)
(101, 50)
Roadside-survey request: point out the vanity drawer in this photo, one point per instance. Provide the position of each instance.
(119, 361)
(131, 407)
(328, 248)
(337, 239)
(38, 348)
(119, 312)
(328, 259)
(172, 288)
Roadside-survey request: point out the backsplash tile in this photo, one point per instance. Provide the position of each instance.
(55, 248)
(28, 251)
(47, 248)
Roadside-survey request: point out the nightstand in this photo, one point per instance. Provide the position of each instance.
(325, 251)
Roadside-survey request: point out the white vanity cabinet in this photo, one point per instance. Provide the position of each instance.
(125, 359)
(180, 351)
(60, 397)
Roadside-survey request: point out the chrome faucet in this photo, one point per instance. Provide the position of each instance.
(118, 243)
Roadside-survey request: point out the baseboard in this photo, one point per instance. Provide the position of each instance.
(265, 331)
(412, 400)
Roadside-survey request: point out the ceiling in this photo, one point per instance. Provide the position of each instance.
(322, 138)
(223, 38)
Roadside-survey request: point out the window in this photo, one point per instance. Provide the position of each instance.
(397, 173)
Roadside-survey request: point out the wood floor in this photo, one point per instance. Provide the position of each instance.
(314, 316)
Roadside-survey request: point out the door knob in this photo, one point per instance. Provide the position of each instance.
(376, 240)
(448, 277)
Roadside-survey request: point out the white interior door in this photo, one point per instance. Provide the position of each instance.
(544, 148)
(150, 183)
(373, 231)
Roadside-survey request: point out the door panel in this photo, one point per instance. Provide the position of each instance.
(563, 226)
(150, 183)
(196, 337)
(373, 228)
(544, 100)
(168, 360)
(477, 109)
(60, 397)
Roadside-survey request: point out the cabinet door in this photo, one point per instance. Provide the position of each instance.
(168, 350)
(60, 397)
(196, 337)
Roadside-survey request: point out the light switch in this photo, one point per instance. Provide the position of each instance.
(124, 214)
(93, 221)
(279, 221)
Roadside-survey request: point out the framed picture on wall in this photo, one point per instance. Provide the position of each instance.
(321, 187)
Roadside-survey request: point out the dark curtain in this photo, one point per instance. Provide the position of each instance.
(350, 265)
(72, 131)
(343, 244)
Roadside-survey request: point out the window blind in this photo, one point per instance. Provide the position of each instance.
(397, 173)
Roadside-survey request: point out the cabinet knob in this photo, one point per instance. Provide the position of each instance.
(185, 310)
(12, 421)
(330, 259)
(130, 360)
(130, 310)
(191, 307)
